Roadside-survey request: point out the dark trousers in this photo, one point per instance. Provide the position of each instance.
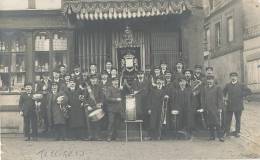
(229, 116)
(215, 129)
(113, 124)
(30, 122)
(94, 129)
(77, 132)
(60, 131)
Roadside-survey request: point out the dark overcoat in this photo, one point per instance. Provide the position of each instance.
(235, 93)
(212, 101)
(26, 104)
(156, 98)
(141, 97)
(76, 112)
(55, 114)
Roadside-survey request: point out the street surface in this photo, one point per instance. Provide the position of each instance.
(247, 146)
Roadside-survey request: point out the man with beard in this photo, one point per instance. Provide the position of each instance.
(57, 111)
(77, 118)
(114, 109)
(188, 77)
(181, 102)
(234, 93)
(28, 111)
(212, 103)
(96, 99)
(155, 75)
(156, 98)
(108, 68)
(178, 72)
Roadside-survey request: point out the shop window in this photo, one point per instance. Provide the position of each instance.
(12, 61)
(50, 51)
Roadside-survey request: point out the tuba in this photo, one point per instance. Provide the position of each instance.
(195, 86)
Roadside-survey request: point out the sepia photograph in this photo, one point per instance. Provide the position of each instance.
(129, 79)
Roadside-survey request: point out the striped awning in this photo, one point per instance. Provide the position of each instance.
(91, 10)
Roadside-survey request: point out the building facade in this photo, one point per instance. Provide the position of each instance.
(252, 44)
(231, 34)
(34, 40)
(224, 38)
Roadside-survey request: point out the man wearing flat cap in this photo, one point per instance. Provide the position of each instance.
(212, 103)
(234, 92)
(198, 75)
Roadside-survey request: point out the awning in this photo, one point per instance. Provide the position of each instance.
(91, 10)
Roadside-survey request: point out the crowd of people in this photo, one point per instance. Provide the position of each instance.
(183, 100)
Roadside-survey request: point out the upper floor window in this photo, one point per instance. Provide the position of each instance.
(207, 38)
(217, 34)
(30, 4)
(230, 29)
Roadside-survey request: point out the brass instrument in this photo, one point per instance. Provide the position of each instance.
(163, 115)
(195, 86)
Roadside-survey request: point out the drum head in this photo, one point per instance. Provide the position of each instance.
(96, 115)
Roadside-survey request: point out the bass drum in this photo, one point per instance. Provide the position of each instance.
(130, 108)
(96, 115)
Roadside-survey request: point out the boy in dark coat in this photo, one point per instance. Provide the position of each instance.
(27, 110)
(76, 119)
(114, 109)
(212, 102)
(234, 93)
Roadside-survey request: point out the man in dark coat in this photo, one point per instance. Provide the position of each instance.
(95, 100)
(77, 118)
(108, 68)
(181, 103)
(212, 102)
(169, 88)
(141, 86)
(156, 99)
(27, 110)
(114, 109)
(57, 111)
(61, 83)
(44, 87)
(234, 93)
(178, 72)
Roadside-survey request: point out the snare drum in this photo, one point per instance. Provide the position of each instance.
(96, 115)
(130, 108)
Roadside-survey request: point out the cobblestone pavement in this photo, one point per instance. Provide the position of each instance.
(247, 146)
